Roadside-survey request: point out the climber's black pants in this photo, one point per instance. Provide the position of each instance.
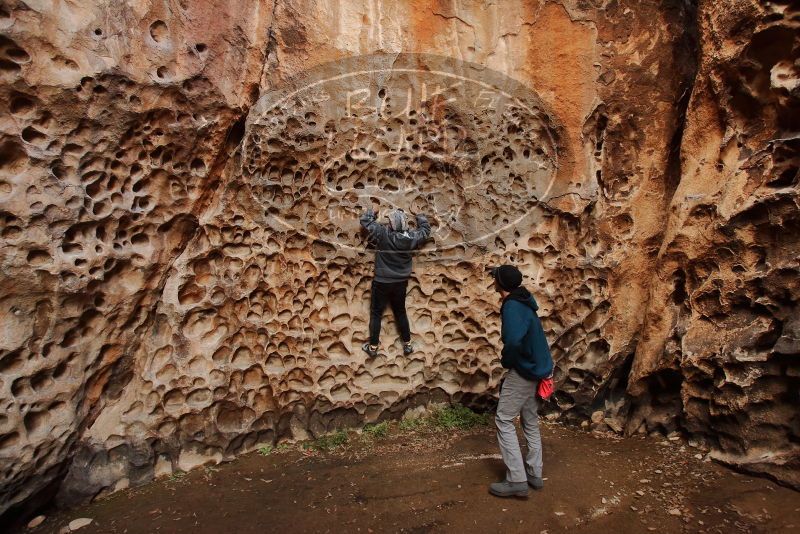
(394, 294)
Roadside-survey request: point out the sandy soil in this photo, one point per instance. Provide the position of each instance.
(437, 482)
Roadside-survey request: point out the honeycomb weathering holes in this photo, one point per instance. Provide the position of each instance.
(430, 140)
(159, 31)
(244, 325)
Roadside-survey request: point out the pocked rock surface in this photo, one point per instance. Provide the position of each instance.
(183, 277)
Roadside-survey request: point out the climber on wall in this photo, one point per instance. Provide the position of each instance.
(395, 244)
(526, 355)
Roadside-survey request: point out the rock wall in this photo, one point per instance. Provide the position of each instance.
(116, 122)
(718, 356)
(183, 277)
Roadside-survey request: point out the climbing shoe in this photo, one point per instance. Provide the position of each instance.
(408, 348)
(372, 352)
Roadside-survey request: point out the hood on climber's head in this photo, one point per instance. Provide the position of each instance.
(397, 220)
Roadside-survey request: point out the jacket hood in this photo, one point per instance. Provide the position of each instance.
(523, 295)
(398, 221)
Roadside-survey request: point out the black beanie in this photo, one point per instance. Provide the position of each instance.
(508, 277)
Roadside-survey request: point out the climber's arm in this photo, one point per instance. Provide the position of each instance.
(423, 231)
(375, 230)
(423, 226)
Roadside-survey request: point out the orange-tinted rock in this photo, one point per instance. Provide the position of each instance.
(182, 276)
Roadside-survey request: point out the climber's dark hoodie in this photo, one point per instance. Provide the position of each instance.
(393, 257)
(525, 348)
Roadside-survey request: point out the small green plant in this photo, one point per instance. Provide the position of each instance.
(328, 442)
(458, 416)
(377, 431)
(413, 423)
(176, 475)
(283, 447)
(266, 450)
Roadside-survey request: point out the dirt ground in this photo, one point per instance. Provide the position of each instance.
(437, 482)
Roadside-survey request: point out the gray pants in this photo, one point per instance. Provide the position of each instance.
(518, 397)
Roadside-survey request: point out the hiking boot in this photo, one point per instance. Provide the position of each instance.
(509, 489)
(371, 351)
(408, 348)
(535, 482)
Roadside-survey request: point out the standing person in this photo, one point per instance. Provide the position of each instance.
(395, 244)
(526, 355)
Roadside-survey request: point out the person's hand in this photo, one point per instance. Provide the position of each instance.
(373, 205)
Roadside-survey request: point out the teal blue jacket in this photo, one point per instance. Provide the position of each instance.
(525, 347)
